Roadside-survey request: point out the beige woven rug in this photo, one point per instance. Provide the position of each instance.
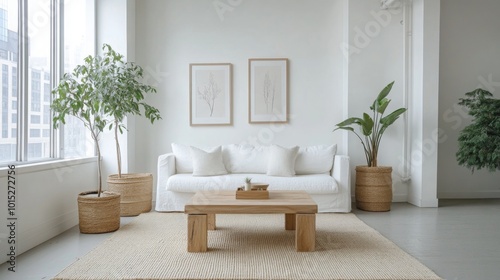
(153, 246)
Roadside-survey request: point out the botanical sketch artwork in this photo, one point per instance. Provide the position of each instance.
(268, 90)
(210, 94)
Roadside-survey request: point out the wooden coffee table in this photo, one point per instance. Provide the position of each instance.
(299, 209)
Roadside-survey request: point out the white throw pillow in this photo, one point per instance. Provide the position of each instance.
(245, 158)
(183, 161)
(207, 163)
(315, 159)
(282, 161)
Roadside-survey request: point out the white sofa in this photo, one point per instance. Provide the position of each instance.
(315, 169)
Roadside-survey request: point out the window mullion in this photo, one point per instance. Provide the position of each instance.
(22, 73)
(56, 29)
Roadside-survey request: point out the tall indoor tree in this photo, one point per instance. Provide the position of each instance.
(81, 94)
(125, 96)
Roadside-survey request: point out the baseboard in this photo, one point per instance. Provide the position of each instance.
(42, 232)
(36, 235)
(399, 197)
(469, 195)
(430, 203)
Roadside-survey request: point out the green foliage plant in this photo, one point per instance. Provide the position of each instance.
(80, 94)
(479, 142)
(124, 94)
(373, 127)
(101, 93)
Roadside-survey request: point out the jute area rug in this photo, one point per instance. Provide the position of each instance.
(153, 246)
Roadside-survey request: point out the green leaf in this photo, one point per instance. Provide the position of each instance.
(383, 105)
(367, 124)
(345, 128)
(384, 92)
(350, 121)
(392, 117)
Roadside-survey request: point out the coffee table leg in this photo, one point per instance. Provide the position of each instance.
(305, 234)
(211, 221)
(197, 233)
(289, 221)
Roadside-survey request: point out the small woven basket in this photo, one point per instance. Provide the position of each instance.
(373, 188)
(136, 191)
(98, 214)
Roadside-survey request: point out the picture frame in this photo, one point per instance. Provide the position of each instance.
(210, 94)
(268, 90)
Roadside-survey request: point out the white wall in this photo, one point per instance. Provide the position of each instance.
(46, 201)
(375, 54)
(172, 34)
(469, 59)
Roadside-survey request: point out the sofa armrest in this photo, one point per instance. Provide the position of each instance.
(166, 168)
(342, 174)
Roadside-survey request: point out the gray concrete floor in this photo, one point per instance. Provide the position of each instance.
(459, 240)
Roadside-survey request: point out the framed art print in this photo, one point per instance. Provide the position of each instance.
(268, 90)
(210, 94)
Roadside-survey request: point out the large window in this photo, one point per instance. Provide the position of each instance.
(58, 35)
(78, 41)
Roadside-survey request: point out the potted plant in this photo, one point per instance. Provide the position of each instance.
(80, 94)
(248, 184)
(373, 183)
(125, 97)
(479, 141)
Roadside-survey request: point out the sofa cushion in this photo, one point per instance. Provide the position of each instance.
(282, 161)
(207, 163)
(183, 161)
(245, 158)
(315, 159)
(313, 183)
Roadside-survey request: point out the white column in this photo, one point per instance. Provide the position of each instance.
(424, 99)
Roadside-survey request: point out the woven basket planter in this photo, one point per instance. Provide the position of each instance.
(373, 188)
(98, 214)
(136, 191)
